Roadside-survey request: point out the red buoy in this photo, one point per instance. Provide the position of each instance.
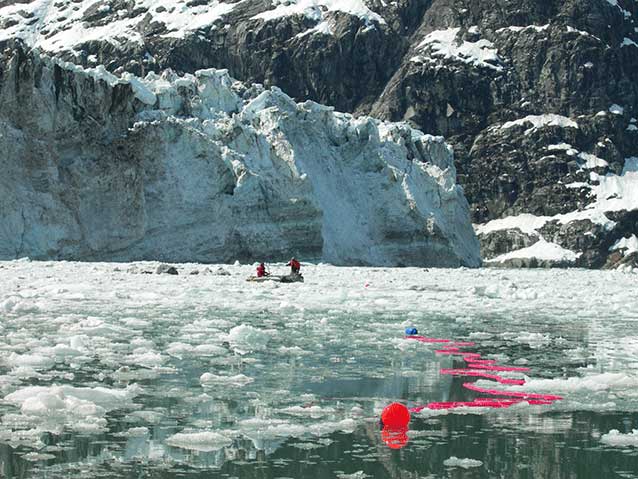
(395, 416)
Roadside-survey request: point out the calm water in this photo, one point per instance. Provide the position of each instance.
(298, 392)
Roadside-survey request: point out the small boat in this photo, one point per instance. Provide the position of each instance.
(289, 278)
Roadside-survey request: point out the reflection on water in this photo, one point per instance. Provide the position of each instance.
(555, 446)
(306, 402)
(517, 443)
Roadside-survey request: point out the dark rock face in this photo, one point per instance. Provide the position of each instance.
(503, 241)
(458, 68)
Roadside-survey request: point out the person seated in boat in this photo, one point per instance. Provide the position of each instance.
(295, 266)
(261, 271)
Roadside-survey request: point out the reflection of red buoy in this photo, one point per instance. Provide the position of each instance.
(395, 416)
(395, 438)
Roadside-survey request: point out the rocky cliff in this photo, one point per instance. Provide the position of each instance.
(537, 97)
(201, 167)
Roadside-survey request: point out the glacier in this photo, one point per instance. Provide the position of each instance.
(203, 168)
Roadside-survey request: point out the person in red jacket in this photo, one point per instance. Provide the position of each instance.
(261, 271)
(295, 266)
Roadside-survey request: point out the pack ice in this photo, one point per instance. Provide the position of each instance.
(204, 168)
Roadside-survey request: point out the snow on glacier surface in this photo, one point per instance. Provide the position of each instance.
(212, 372)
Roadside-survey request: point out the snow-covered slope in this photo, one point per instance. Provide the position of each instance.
(202, 167)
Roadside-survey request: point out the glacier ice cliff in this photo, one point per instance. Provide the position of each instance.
(204, 168)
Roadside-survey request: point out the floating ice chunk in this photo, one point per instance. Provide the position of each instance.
(534, 340)
(594, 382)
(145, 358)
(312, 411)
(81, 409)
(209, 350)
(464, 463)
(615, 438)
(135, 432)
(37, 456)
(179, 349)
(324, 428)
(35, 361)
(18, 305)
(108, 399)
(238, 380)
(354, 475)
(77, 342)
(244, 338)
(96, 327)
(264, 429)
(199, 441)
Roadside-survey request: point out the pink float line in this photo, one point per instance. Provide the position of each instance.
(481, 402)
(475, 365)
(481, 374)
(514, 401)
(475, 362)
(496, 392)
(423, 339)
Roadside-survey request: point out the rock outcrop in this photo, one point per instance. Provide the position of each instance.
(201, 167)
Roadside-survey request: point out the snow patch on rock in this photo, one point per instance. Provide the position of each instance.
(539, 121)
(444, 44)
(57, 25)
(314, 9)
(541, 250)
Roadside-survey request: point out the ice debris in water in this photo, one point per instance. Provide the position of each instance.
(354, 475)
(464, 463)
(213, 379)
(199, 441)
(617, 439)
(244, 338)
(79, 408)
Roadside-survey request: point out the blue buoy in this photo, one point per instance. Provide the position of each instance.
(411, 331)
